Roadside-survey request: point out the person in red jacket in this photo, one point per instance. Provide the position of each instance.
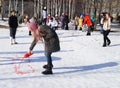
(87, 20)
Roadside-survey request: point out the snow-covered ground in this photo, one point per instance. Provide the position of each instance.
(81, 63)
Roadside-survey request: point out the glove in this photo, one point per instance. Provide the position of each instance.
(28, 54)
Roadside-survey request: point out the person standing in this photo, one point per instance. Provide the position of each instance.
(93, 18)
(48, 18)
(62, 19)
(19, 19)
(106, 29)
(32, 26)
(76, 22)
(13, 24)
(26, 20)
(53, 23)
(44, 15)
(80, 23)
(66, 22)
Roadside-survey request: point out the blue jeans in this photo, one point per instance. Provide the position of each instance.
(49, 58)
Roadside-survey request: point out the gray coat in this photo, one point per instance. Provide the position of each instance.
(51, 39)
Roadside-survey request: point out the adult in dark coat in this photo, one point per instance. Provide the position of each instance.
(66, 22)
(13, 24)
(52, 44)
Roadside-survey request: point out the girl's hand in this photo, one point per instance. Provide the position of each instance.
(28, 54)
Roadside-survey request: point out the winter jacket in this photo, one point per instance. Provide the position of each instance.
(53, 23)
(76, 20)
(44, 14)
(13, 22)
(62, 19)
(50, 37)
(93, 18)
(107, 25)
(66, 19)
(80, 22)
(88, 21)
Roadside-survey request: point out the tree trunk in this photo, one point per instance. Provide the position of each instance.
(22, 7)
(9, 7)
(35, 8)
(73, 9)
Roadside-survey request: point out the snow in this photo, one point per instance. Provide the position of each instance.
(81, 63)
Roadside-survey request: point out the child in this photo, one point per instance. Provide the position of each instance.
(51, 41)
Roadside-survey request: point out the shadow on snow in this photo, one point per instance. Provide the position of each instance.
(86, 68)
(28, 60)
(72, 69)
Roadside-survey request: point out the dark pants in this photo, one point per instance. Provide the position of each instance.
(49, 59)
(66, 26)
(44, 21)
(89, 31)
(13, 32)
(63, 25)
(105, 36)
(55, 28)
(76, 27)
(30, 33)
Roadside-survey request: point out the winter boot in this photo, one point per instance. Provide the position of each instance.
(48, 71)
(46, 66)
(30, 33)
(109, 43)
(88, 34)
(104, 45)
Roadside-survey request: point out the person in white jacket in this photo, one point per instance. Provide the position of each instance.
(53, 23)
(106, 29)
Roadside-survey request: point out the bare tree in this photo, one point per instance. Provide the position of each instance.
(72, 7)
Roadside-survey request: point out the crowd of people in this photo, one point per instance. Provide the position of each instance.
(105, 23)
(45, 30)
(85, 21)
(41, 32)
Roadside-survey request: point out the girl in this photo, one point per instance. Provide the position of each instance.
(51, 42)
(34, 30)
(106, 29)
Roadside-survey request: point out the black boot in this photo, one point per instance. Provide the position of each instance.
(48, 71)
(46, 66)
(88, 34)
(109, 43)
(30, 33)
(104, 45)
